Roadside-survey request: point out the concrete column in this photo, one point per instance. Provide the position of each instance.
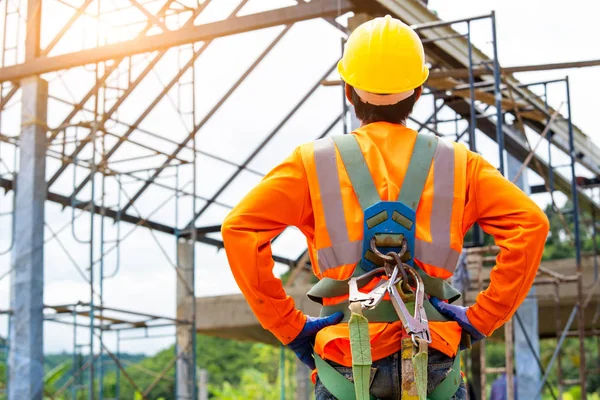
(203, 384)
(528, 373)
(26, 354)
(26, 331)
(185, 311)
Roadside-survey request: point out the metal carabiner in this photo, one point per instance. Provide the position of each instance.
(415, 325)
(373, 298)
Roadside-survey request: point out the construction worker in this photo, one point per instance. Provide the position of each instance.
(384, 211)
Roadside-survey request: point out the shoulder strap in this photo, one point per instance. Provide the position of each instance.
(358, 171)
(418, 169)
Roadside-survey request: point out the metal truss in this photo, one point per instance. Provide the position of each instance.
(91, 137)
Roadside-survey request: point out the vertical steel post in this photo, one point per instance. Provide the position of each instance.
(477, 236)
(118, 383)
(472, 119)
(508, 351)
(74, 366)
(91, 393)
(580, 294)
(101, 274)
(344, 105)
(526, 341)
(282, 373)
(550, 168)
(185, 332)
(26, 352)
(498, 97)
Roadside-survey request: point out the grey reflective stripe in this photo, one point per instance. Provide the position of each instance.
(437, 255)
(417, 171)
(341, 254)
(358, 171)
(331, 192)
(443, 194)
(440, 256)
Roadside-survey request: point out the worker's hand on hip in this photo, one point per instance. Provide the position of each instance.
(303, 344)
(458, 314)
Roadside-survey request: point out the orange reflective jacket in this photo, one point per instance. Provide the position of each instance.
(461, 189)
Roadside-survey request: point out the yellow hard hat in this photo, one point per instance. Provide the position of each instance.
(383, 56)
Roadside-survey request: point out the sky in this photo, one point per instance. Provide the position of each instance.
(531, 32)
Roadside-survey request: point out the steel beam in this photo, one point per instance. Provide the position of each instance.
(204, 32)
(145, 113)
(260, 147)
(207, 117)
(65, 201)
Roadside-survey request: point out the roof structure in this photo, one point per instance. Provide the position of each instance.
(155, 85)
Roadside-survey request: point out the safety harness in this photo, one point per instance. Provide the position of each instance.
(388, 225)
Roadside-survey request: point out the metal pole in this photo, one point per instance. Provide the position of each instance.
(101, 275)
(74, 359)
(498, 97)
(477, 237)
(509, 353)
(563, 336)
(92, 216)
(472, 121)
(344, 105)
(580, 300)
(282, 373)
(118, 374)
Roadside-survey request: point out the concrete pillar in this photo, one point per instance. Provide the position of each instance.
(26, 354)
(528, 375)
(185, 385)
(202, 384)
(27, 280)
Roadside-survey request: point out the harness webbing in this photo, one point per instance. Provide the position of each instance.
(414, 376)
(418, 169)
(358, 171)
(362, 180)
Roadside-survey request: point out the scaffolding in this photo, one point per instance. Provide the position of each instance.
(116, 172)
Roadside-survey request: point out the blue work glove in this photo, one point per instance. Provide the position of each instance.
(458, 314)
(303, 344)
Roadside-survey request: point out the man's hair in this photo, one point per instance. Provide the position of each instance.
(395, 114)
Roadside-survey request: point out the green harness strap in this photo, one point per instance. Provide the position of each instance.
(362, 180)
(360, 345)
(384, 312)
(366, 192)
(357, 169)
(418, 170)
(343, 389)
(327, 287)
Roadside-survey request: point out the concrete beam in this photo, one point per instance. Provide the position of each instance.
(230, 316)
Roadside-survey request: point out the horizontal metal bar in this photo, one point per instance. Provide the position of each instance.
(527, 85)
(198, 33)
(437, 24)
(464, 72)
(131, 219)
